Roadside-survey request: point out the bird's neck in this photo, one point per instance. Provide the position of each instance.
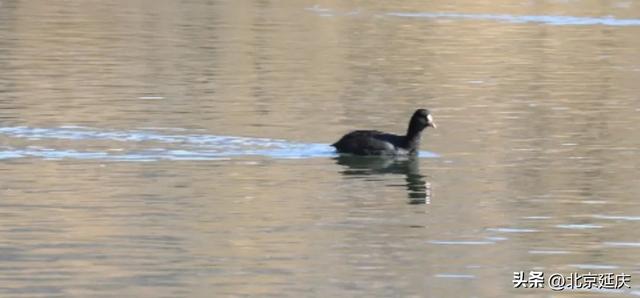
(413, 137)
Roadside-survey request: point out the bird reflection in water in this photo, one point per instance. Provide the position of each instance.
(418, 188)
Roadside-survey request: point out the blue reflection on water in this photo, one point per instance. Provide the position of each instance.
(543, 19)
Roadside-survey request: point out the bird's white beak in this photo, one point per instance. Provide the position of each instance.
(430, 121)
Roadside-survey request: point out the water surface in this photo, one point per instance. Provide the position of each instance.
(180, 149)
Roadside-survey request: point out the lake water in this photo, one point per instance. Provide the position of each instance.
(180, 148)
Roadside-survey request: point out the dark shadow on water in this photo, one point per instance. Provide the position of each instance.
(418, 188)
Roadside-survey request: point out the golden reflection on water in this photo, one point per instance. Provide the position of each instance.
(537, 142)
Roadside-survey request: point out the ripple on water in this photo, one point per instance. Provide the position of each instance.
(512, 230)
(555, 20)
(496, 239)
(158, 146)
(541, 19)
(451, 242)
(594, 266)
(549, 252)
(578, 226)
(537, 217)
(622, 244)
(617, 217)
(455, 276)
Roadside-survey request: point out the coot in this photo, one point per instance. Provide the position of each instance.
(373, 142)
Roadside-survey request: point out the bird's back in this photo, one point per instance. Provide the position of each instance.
(369, 142)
